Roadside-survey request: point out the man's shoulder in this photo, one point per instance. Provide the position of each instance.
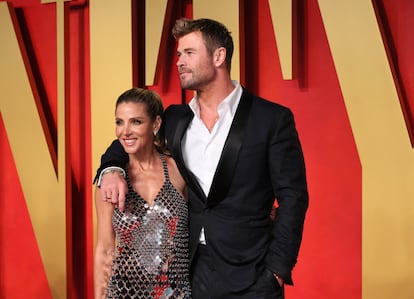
(264, 104)
(177, 112)
(177, 109)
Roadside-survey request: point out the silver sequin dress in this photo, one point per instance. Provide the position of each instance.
(151, 259)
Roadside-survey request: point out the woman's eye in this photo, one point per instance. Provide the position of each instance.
(118, 122)
(136, 122)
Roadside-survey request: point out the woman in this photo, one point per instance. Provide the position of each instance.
(142, 252)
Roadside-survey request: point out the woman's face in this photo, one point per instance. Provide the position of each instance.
(134, 127)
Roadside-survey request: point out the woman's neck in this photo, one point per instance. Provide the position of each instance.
(144, 161)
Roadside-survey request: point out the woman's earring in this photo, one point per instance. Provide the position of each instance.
(155, 132)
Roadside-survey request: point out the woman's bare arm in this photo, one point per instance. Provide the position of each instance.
(105, 245)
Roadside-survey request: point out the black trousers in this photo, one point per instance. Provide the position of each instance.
(205, 285)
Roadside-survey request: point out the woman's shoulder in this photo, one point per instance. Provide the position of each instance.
(170, 162)
(174, 174)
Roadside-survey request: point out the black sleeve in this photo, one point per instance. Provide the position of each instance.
(288, 174)
(113, 156)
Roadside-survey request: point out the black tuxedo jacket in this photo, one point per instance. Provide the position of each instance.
(261, 161)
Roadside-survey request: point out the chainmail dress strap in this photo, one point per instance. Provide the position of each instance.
(152, 256)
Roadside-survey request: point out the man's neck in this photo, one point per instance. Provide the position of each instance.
(210, 97)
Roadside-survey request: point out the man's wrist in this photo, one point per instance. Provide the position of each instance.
(279, 279)
(109, 169)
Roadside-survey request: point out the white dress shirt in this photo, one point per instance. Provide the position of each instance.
(202, 148)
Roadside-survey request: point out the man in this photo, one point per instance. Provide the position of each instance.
(237, 153)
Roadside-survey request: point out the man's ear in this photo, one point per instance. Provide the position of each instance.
(219, 56)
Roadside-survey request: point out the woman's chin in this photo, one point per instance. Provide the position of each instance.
(130, 150)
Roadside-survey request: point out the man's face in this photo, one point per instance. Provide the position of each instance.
(195, 65)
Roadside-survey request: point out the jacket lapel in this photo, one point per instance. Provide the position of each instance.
(229, 156)
(176, 150)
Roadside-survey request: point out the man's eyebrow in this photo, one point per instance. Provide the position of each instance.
(187, 49)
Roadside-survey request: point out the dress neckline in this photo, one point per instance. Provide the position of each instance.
(147, 205)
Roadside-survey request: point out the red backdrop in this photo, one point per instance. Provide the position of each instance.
(329, 263)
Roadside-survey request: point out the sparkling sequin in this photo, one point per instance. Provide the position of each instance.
(151, 259)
